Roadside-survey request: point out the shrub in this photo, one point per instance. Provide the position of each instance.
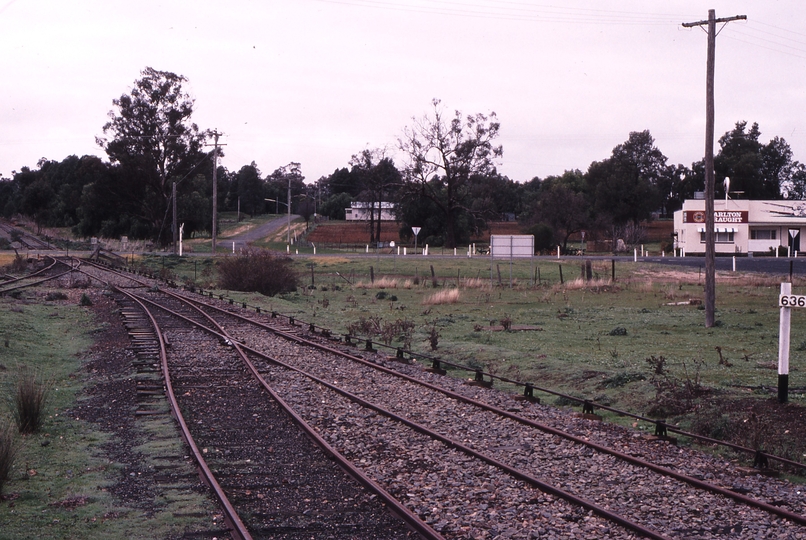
(365, 327)
(29, 402)
(433, 337)
(19, 264)
(57, 295)
(85, 300)
(506, 322)
(8, 451)
(618, 331)
(257, 271)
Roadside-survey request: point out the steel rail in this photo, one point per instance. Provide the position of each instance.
(516, 473)
(700, 484)
(658, 423)
(23, 241)
(231, 515)
(395, 506)
(668, 427)
(33, 274)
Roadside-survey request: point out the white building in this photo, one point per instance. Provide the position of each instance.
(741, 226)
(359, 211)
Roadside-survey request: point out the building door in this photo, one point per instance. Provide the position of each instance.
(794, 240)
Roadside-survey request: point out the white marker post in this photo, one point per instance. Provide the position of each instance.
(786, 301)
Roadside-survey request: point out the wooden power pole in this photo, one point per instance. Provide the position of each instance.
(173, 210)
(216, 135)
(710, 249)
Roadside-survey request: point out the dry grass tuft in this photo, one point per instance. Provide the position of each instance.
(579, 284)
(671, 292)
(642, 286)
(448, 296)
(476, 283)
(758, 280)
(385, 283)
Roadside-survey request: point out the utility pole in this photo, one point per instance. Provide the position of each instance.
(710, 248)
(216, 135)
(289, 211)
(173, 198)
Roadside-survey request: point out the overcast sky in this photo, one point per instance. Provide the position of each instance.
(316, 81)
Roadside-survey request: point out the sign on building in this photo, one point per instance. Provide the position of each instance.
(720, 216)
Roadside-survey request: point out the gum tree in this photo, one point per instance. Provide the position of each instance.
(150, 137)
(443, 154)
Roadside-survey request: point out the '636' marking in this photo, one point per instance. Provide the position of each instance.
(791, 300)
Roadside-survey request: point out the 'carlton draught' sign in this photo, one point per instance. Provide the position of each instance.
(720, 216)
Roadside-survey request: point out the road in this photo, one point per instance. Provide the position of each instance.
(258, 233)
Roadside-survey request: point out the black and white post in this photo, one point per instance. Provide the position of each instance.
(785, 302)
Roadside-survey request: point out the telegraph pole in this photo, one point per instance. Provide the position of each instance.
(289, 212)
(173, 197)
(710, 249)
(216, 135)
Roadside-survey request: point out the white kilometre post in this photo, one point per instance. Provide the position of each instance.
(783, 343)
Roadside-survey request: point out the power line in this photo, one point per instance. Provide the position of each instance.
(516, 11)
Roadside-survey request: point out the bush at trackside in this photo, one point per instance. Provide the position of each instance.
(257, 271)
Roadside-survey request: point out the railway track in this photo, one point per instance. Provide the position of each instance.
(468, 460)
(25, 239)
(49, 268)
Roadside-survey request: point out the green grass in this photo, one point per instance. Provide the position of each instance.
(59, 485)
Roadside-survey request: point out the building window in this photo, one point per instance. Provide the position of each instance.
(762, 234)
(719, 237)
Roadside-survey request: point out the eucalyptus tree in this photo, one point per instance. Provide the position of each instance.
(443, 154)
(150, 137)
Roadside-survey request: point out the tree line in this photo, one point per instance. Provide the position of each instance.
(447, 180)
